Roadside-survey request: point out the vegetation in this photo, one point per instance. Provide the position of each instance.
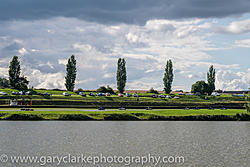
(152, 90)
(103, 89)
(15, 80)
(121, 76)
(170, 114)
(200, 87)
(168, 77)
(211, 80)
(70, 74)
(248, 104)
(4, 83)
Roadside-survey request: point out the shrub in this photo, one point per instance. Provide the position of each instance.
(153, 91)
(4, 83)
(103, 89)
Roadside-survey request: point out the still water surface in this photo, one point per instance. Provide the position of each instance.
(201, 143)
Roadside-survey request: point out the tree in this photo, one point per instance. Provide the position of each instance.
(248, 99)
(22, 83)
(4, 83)
(70, 74)
(211, 80)
(168, 76)
(15, 80)
(200, 87)
(110, 90)
(121, 76)
(14, 72)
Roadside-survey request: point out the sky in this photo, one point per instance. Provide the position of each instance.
(194, 34)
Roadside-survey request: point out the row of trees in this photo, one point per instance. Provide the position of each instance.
(17, 81)
(200, 86)
(121, 75)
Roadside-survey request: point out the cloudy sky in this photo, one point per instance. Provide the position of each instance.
(193, 33)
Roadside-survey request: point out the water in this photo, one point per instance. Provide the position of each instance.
(201, 143)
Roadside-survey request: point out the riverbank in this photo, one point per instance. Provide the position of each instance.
(131, 114)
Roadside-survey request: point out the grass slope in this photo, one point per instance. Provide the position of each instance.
(161, 114)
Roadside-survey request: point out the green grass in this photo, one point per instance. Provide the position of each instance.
(57, 99)
(53, 113)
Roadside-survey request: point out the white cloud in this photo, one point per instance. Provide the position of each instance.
(62, 61)
(108, 75)
(97, 48)
(22, 51)
(140, 85)
(243, 43)
(235, 27)
(139, 56)
(46, 80)
(4, 72)
(229, 80)
(132, 37)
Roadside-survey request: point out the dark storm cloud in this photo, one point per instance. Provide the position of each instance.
(121, 11)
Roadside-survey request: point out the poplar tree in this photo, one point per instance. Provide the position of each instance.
(121, 76)
(15, 80)
(14, 72)
(70, 73)
(168, 77)
(211, 80)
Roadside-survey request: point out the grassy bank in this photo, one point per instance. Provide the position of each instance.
(128, 102)
(76, 114)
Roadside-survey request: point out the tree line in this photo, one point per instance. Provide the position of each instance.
(19, 82)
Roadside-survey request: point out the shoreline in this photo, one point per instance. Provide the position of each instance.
(127, 115)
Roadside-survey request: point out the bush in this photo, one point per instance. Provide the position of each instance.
(153, 91)
(4, 83)
(103, 89)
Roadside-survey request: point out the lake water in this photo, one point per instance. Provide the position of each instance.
(200, 143)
